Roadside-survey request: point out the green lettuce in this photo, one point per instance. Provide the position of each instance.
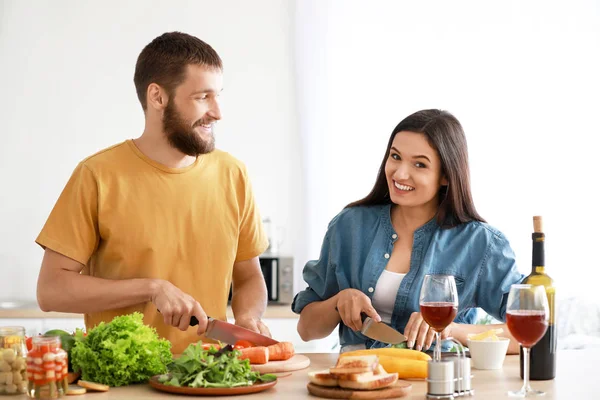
(212, 368)
(120, 352)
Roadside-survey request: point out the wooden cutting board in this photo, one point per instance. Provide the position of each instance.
(295, 363)
(399, 389)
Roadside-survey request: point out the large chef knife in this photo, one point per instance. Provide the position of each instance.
(230, 334)
(381, 332)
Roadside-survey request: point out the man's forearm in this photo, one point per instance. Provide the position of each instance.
(249, 298)
(69, 291)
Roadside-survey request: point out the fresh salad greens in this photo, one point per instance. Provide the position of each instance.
(211, 368)
(120, 352)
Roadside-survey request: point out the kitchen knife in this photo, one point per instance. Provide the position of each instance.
(381, 332)
(230, 334)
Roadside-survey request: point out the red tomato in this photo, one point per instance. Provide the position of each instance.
(242, 344)
(29, 343)
(206, 346)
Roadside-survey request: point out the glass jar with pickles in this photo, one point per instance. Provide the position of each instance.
(47, 368)
(13, 354)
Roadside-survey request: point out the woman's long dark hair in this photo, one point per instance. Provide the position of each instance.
(445, 134)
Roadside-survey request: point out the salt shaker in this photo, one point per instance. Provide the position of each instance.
(440, 379)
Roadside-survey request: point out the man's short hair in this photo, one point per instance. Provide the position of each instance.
(164, 60)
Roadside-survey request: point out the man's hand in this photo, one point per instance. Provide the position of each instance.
(177, 307)
(254, 324)
(420, 335)
(350, 304)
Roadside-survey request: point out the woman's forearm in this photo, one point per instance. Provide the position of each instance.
(460, 332)
(318, 319)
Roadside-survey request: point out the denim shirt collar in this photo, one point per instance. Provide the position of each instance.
(386, 221)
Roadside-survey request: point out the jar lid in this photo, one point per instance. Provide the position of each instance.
(12, 330)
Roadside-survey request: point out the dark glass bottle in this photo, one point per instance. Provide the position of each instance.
(543, 354)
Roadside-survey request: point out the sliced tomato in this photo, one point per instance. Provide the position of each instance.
(243, 344)
(207, 346)
(29, 343)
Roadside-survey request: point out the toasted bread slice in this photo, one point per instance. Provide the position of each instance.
(75, 390)
(322, 378)
(93, 386)
(352, 377)
(355, 365)
(380, 370)
(370, 382)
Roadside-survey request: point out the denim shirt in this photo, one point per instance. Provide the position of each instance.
(359, 242)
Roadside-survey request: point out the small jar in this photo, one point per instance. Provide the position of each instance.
(47, 367)
(13, 354)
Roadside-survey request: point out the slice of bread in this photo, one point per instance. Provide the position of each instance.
(351, 377)
(372, 382)
(93, 386)
(355, 365)
(322, 378)
(73, 390)
(380, 370)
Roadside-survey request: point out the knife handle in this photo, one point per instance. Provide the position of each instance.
(193, 321)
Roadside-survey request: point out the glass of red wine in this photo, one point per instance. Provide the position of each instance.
(439, 304)
(527, 321)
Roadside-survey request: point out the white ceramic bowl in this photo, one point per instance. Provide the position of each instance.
(487, 354)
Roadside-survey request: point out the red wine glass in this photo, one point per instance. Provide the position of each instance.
(439, 304)
(527, 321)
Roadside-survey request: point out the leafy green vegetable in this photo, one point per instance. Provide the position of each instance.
(402, 345)
(120, 352)
(211, 368)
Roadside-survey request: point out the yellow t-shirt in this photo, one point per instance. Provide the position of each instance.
(126, 216)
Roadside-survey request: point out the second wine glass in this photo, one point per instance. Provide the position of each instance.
(439, 305)
(527, 321)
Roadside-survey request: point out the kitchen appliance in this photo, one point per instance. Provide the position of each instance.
(278, 272)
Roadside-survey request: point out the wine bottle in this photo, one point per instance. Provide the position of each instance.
(543, 355)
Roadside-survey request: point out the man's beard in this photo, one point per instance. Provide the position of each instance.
(181, 134)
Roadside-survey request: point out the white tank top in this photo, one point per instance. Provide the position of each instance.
(385, 294)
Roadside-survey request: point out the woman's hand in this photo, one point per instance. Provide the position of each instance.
(420, 335)
(350, 304)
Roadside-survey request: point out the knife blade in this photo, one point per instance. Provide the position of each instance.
(230, 334)
(381, 332)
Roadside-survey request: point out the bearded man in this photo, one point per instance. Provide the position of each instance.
(162, 222)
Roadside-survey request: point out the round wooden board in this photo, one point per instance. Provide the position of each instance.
(257, 387)
(399, 389)
(298, 361)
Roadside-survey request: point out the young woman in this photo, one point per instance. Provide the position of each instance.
(418, 219)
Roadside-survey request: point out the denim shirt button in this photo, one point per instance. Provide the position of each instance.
(386, 255)
(370, 290)
(394, 236)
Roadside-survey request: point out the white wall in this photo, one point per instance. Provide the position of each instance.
(66, 73)
(521, 76)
